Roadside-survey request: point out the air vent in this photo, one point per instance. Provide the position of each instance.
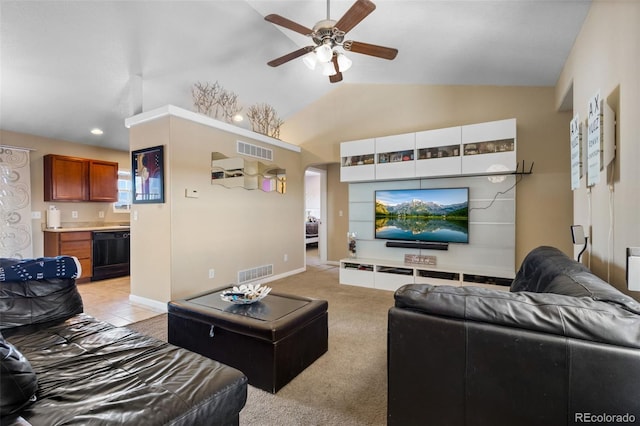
(254, 151)
(254, 273)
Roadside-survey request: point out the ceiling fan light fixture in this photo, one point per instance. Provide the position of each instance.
(328, 69)
(344, 63)
(324, 52)
(310, 60)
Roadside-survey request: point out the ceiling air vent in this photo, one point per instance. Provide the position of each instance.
(254, 274)
(255, 151)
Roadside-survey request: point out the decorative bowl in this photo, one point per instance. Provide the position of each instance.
(245, 294)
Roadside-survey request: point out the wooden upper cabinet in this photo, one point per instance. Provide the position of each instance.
(65, 178)
(103, 181)
(79, 179)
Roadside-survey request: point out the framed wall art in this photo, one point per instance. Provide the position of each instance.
(148, 175)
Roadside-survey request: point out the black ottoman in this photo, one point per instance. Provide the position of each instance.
(270, 341)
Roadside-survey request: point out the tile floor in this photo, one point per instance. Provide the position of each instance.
(108, 300)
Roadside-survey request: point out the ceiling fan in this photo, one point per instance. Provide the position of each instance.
(329, 35)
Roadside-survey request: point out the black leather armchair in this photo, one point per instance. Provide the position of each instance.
(563, 347)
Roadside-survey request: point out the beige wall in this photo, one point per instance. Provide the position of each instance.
(544, 199)
(338, 224)
(87, 212)
(176, 243)
(606, 58)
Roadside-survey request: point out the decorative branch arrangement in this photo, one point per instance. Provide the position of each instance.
(264, 119)
(215, 101)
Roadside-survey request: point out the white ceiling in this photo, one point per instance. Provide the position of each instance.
(70, 66)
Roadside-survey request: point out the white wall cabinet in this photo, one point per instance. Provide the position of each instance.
(395, 156)
(489, 147)
(357, 160)
(476, 149)
(438, 152)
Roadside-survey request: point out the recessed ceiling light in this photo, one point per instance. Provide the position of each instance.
(96, 131)
(238, 118)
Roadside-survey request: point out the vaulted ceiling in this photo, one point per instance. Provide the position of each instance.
(70, 66)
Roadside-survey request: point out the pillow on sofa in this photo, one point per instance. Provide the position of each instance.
(18, 382)
(37, 300)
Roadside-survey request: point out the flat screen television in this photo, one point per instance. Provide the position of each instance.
(438, 215)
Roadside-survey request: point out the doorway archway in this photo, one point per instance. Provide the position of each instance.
(315, 212)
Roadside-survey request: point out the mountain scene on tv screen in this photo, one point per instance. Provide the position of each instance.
(419, 220)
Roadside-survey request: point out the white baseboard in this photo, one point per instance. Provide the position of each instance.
(153, 304)
(280, 276)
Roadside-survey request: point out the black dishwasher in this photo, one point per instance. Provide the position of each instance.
(110, 254)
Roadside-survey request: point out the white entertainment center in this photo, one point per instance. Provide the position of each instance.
(481, 157)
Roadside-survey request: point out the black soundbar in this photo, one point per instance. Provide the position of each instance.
(418, 245)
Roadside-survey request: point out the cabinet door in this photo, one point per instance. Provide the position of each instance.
(65, 178)
(357, 160)
(78, 244)
(103, 181)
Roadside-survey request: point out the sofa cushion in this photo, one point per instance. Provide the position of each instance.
(37, 300)
(18, 382)
(93, 373)
(548, 270)
(575, 317)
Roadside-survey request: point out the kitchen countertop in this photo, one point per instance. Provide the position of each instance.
(89, 228)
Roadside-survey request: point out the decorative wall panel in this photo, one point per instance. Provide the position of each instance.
(15, 204)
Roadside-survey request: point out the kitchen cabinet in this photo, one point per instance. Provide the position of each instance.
(79, 179)
(72, 243)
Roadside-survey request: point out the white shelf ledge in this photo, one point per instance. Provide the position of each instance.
(172, 110)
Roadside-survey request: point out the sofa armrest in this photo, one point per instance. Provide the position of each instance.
(580, 318)
(548, 270)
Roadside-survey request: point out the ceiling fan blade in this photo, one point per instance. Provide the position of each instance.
(353, 16)
(287, 23)
(370, 49)
(338, 75)
(289, 56)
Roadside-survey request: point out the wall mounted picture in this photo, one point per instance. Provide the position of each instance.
(148, 175)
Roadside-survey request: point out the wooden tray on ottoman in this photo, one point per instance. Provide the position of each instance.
(270, 341)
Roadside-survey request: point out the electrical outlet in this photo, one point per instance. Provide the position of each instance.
(212, 273)
(286, 257)
(36, 215)
(101, 214)
(74, 214)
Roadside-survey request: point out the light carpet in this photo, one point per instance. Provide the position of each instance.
(348, 384)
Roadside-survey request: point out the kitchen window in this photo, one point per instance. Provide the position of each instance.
(123, 205)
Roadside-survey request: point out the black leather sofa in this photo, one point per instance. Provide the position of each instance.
(60, 366)
(562, 347)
